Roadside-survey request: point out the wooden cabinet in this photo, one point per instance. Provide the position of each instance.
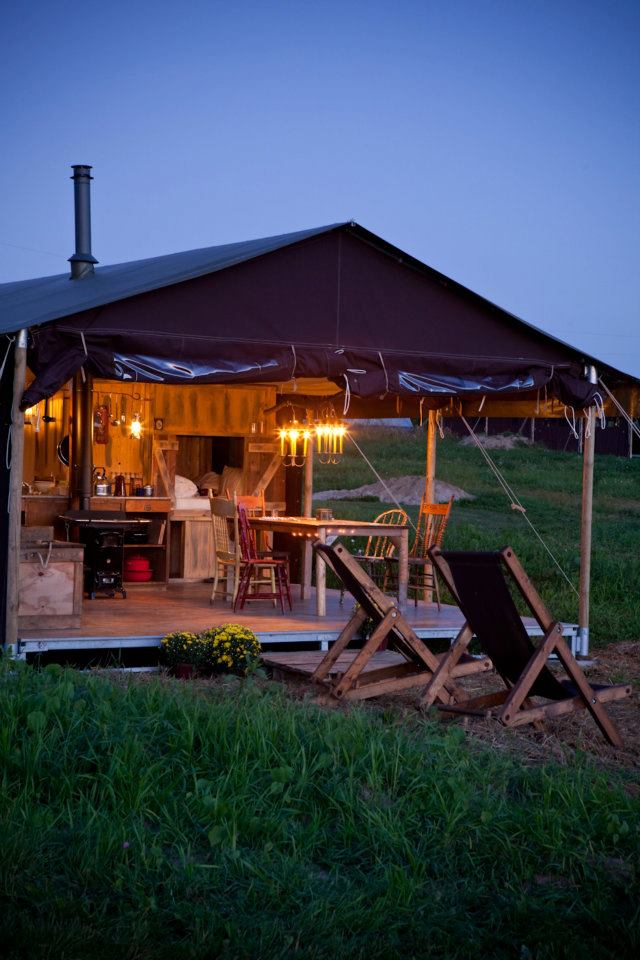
(191, 546)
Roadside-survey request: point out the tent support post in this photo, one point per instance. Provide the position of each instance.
(307, 511)
(431, 474)
(431, 457)
(15, 492)
(588, 460)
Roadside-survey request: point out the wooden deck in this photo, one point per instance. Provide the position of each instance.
(149, 613)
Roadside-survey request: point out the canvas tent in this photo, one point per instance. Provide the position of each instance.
(334, 310)
(336, 303)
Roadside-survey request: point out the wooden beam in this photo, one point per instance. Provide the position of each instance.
(15, 491)
(268, 475)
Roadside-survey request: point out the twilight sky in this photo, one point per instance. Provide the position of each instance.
(497, 140)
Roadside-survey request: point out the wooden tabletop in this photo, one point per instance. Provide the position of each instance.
(312, 524)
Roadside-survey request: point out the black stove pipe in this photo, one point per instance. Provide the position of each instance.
(82, 263)
(82, 260)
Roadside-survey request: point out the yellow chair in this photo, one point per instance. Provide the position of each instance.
(432, 523)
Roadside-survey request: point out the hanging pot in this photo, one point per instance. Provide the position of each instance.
(62, 450)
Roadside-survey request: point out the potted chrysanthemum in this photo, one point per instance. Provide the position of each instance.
(180, 652)
(229, 648)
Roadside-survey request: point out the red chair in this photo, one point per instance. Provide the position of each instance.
(253, 565)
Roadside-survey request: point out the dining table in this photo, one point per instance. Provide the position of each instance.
(325, 530)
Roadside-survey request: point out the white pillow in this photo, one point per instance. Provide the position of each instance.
(185, 488)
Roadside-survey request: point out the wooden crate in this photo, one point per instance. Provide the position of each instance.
(50, 586)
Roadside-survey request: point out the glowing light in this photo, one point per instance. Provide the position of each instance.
(330, 434)
(295, 438)
(136, 427)
(294, 443)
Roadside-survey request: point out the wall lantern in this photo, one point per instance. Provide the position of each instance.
(135, 427)
(33, 417)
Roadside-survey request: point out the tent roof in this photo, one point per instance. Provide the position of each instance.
(336, 302)
(27, 303)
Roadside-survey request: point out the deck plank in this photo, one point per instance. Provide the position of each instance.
(145, 616)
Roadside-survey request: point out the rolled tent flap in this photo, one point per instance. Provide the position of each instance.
(55, 357)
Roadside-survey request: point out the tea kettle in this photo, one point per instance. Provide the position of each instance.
(102, 486)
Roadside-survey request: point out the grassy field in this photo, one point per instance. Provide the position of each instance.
(153, 820)
(549, 485)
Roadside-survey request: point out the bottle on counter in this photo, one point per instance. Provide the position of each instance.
(120, 489)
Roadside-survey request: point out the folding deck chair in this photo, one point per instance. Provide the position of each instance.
(390, 631)
(479, 583)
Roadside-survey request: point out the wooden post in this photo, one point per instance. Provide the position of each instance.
(588, 460)
(431, 457)
(307, 511)
(15, 492)
(431, 476)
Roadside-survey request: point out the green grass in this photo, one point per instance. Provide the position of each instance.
(549, 485)
(149, 820)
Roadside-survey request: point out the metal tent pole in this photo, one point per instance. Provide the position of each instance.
(588, 460)
(15, 492)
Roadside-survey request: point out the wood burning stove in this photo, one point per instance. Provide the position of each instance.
(103, 534)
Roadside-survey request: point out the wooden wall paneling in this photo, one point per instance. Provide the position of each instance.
(122, 453)
(40, 447)
(210, 410)
(194, 456)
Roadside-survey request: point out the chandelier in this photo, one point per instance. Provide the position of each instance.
(295, 437)
(294, 443)
(330, 434)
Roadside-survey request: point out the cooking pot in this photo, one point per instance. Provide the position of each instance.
(137, 564)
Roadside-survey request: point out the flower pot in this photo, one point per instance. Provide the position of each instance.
(184, 671)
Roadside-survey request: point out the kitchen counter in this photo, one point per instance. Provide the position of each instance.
(131, 504)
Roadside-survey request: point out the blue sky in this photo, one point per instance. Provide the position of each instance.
(497, 140)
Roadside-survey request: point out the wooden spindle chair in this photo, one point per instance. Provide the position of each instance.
(379, 549)
(255, 564)
(429, 532)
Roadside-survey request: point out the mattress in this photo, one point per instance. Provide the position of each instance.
(192, 504)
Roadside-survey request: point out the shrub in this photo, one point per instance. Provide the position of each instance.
(180, 647)
(229, 648)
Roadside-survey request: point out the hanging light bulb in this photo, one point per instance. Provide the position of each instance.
(136, 427)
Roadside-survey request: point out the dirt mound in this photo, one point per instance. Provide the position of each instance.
(405, 489)
(501, 441)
